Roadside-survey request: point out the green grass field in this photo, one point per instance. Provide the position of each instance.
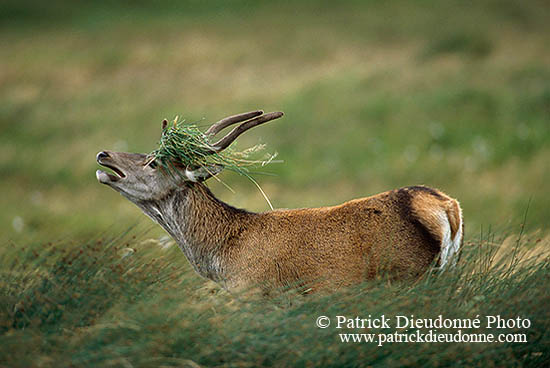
(376, 95)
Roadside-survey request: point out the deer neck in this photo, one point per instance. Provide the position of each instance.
(205, 228)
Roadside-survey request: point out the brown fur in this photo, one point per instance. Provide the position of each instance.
(399, 232)
(328, 247)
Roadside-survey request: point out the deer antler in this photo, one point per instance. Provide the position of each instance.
(258, 119)
(230, 120)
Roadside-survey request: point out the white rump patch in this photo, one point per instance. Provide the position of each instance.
(449, 247)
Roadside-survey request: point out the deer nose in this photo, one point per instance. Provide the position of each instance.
(101, 155)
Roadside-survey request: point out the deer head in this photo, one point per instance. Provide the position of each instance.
(139, 178)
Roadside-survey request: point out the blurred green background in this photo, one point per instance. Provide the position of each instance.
(377, 95)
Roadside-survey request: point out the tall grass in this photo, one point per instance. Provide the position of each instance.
(128, 302)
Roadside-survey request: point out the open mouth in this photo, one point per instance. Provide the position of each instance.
(116, 175)
(105, 176)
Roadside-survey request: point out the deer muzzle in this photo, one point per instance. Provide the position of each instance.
(105, 159)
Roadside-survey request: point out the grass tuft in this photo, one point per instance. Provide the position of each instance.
(186, 145)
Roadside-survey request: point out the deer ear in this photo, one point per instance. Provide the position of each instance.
(202, 173)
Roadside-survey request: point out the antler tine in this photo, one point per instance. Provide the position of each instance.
(230, 120)
(229, 138)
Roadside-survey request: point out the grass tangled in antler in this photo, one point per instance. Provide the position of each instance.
(186, 145)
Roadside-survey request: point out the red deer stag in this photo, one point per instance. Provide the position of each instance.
(400, 232)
